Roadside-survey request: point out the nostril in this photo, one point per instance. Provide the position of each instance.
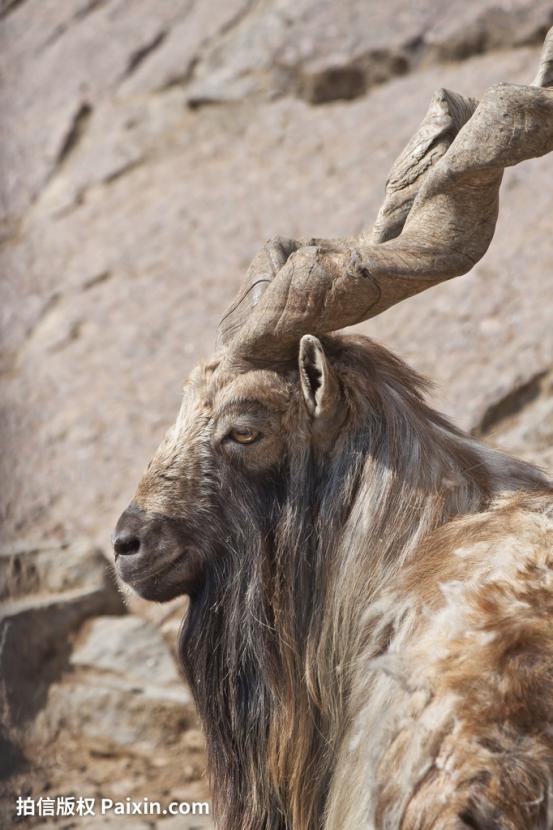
(125, 544)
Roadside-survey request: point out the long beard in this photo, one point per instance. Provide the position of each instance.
(229, 650)
(244, 648)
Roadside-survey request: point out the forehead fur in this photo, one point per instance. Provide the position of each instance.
(261, 385)
(219, 386)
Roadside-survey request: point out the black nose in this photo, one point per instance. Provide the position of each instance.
(128, 532)
(125, 543)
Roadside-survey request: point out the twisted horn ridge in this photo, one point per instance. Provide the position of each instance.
(437, 221)
(448, 112)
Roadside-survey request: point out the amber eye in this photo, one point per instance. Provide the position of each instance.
(243, 435)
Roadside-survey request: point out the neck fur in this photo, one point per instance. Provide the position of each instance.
(270, 645)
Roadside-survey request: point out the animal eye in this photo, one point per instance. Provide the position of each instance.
(243, 435)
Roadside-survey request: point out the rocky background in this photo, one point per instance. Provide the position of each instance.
(148, 150)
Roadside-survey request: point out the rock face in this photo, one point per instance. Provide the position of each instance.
(147, 157)
(47, 593)
(124, 692)
(51, 569)
(91, 701)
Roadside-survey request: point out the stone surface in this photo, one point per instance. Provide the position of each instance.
(108, 716)
(324, 51)
(197, 822)
(48, 569)
(129, 647)
(72, 694)
(98, 823)
(90, 705)
(48, 591)
(123, 693)
(185, 823)
(53, 591)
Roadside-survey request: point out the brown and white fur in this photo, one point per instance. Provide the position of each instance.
(370, 637)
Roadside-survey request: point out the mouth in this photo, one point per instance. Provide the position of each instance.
(161, 582)
(155, 555)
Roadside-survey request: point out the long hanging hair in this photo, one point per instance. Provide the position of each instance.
(270, 641)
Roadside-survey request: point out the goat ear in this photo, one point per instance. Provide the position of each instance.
(318, 380)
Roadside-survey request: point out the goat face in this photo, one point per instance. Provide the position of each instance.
(220, 473)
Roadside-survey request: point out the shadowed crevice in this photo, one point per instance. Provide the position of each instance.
(353, 79)
(513, 402)
(75, 132)
(84, 12)
(9, 6)
(138, 57)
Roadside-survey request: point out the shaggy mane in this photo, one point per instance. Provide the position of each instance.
(271, 642)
